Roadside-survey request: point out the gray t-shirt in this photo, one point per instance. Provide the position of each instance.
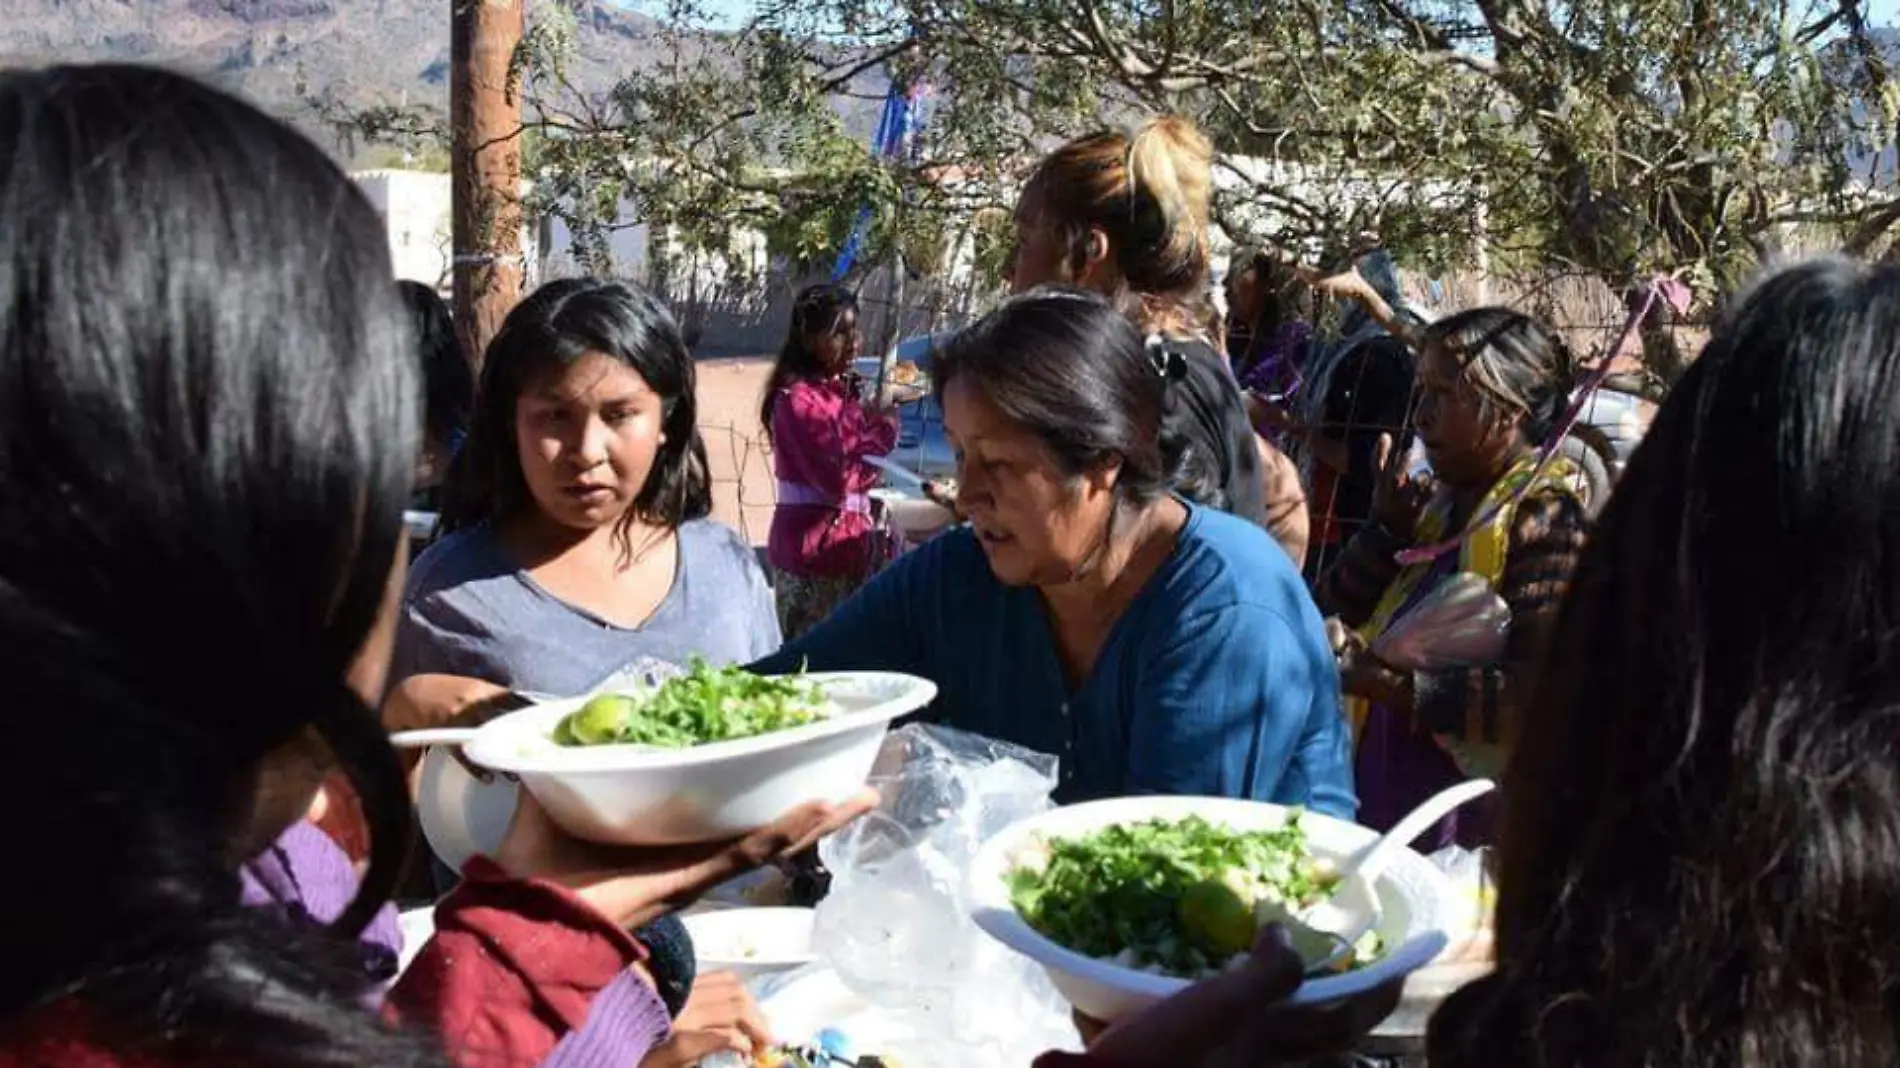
(471, 610)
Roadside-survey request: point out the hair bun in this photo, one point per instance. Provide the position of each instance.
(1171, 160)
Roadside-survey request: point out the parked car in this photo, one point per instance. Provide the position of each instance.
(921, 445)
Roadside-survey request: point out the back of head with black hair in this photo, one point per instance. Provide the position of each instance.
(1700, 862)
(448, 381)
(207, 436)
(1068, 367)
(554, 327)
(815, 312)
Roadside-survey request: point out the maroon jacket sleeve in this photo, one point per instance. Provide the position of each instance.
(524, 973)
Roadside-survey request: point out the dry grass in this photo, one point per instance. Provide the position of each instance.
(743, 485)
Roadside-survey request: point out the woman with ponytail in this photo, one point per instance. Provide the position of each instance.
(1127, 216)
(211, 423)
(1088, 610)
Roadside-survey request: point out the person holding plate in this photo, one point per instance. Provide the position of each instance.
(1152, 644)
(213, 421)
(824, 541)
(577, 539)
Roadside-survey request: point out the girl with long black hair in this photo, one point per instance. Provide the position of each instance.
(209, 434)
(576, 532)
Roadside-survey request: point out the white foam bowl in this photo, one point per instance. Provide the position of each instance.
(636, 795)
(461, 816)
(750, 942)
(918, 517)
(1416, 899)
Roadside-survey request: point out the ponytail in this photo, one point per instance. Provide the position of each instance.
(1186, 466)
(1170, 163)
(1151, 194)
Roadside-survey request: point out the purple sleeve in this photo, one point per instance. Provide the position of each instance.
(305, 870)
(624, 1023)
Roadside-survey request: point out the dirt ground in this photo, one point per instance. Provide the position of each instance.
(743, 487)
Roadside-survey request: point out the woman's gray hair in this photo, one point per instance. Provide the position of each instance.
(1516, 363)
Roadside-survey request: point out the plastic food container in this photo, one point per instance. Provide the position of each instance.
(639, 795)
(1415, 900)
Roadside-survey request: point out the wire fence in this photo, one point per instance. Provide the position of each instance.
(1586, 313)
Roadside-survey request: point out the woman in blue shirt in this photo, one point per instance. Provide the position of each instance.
(1085, 611)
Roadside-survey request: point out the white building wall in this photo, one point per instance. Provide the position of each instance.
(417, 211)
(415, 206)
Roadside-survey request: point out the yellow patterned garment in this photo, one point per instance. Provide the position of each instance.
(1484, 546)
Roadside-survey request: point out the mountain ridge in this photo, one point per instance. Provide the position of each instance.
(281, 53)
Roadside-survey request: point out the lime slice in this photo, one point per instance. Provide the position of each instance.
(1216, 919)
(601, 720)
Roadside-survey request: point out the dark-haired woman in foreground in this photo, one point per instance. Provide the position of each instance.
(1703, 864)
(1154, 645)
(210, 433)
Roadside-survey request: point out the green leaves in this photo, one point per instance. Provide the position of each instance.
(1621, 137)
(705, 705)
(1165, 894)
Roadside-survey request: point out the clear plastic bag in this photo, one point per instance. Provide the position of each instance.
(896, 926)
(1470, 874)
(1462, 622)
(645, 673)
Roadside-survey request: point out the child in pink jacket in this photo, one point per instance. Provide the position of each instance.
(824, 542)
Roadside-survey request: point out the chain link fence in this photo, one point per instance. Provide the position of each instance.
(1584, 311)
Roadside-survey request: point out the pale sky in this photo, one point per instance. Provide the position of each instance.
(1882, 12)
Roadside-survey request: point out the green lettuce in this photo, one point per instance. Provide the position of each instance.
(707, 704)
(1178, 896)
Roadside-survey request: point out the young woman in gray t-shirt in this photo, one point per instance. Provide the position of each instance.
(577, 538)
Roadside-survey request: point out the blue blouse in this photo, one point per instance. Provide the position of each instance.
(1217, 680)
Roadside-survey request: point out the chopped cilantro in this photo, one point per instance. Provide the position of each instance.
(1163, 894)
(707, 704)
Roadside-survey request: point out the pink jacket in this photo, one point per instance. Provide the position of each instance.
(820, 436)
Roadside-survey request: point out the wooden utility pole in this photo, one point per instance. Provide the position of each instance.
(485, 159)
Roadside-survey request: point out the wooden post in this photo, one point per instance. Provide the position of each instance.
(485, 123)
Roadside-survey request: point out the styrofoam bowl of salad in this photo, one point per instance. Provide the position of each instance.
(1128, 901)
(707, 755)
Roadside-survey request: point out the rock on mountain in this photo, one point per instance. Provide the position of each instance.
(366, 52)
